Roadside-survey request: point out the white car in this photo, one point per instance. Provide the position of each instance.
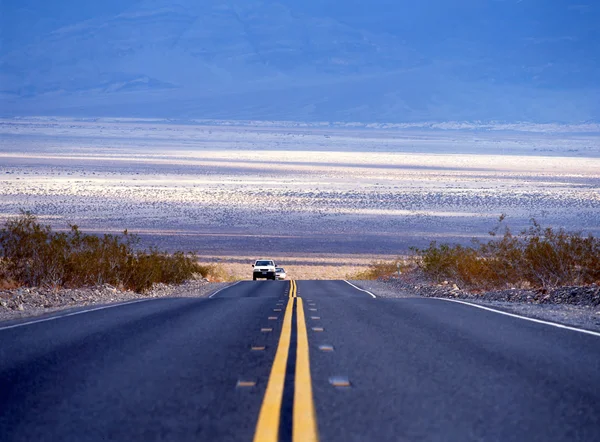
(263, 268)
(280, 273)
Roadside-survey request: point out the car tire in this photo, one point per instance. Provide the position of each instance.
(253, 277)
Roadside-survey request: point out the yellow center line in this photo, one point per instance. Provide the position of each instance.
(267, 427)
(305, 419)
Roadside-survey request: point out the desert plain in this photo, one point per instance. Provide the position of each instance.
(322, 199)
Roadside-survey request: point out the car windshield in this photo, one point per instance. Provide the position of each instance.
(264, 263)
(280, 270)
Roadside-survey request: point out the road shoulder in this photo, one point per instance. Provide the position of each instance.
(580, 316)
(39, 302)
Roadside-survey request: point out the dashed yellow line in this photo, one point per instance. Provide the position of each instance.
(267, 427)
(305, 420)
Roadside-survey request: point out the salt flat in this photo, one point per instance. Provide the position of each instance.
(289, 190)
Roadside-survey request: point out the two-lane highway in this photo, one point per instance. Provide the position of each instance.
(312, 360)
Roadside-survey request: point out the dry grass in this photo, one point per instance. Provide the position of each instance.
(335, 266)
(32, 254)
(217, 272)
(382, 269)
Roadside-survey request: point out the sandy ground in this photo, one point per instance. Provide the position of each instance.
(298, 267)
(292, 191)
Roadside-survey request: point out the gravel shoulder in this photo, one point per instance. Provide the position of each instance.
(29, 302)
(573, 306)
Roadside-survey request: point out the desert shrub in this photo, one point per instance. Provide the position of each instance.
(560, 258)
(457, 263)
(32, 254)
(536, 257)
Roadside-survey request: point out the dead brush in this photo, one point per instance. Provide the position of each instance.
(536, 257)
(33, 255)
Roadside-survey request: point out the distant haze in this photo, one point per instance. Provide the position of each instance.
(309, 60)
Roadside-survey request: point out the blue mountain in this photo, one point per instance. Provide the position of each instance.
(382, 60)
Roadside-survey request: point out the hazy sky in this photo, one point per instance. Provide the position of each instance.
(541, 45)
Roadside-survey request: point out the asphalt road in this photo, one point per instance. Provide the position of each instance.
(312, 360)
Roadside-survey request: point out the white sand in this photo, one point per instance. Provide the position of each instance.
(296, 191)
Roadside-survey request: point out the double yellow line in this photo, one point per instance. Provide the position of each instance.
(304, 418)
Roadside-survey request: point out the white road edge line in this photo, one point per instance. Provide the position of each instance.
(358, 288)
(79, 312)
(539, 321)
(224, 288)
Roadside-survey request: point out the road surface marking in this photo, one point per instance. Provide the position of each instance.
(315, 317)
(539, 321)
(267, 427)
(326, 347)
(246, 383)
(293, 288)
(317, 329)
(339, 381)
(79, 312)
(304, 419)
(272, 318)
(358, 288)
(266, 330)
(276, 309)
(257, 347)
(224, 288)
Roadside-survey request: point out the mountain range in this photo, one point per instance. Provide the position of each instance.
(310, 60)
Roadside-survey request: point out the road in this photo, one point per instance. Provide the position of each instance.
(302, 361)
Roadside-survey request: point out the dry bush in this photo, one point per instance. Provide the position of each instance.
(33, 255)
(461, 264)
(6, 283)
(536, 257)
